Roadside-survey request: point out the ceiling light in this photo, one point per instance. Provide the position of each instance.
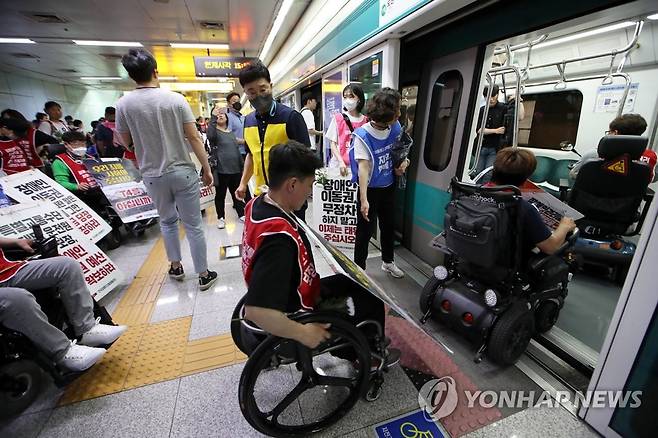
(107, 43)
(101, 78)
(276, 26)
(581, 35)
(653, 17)
(17, 41)
(199, 46)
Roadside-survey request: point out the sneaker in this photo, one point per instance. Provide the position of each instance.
(221, 223)
(207, 281)
(80, 357)
(241, 219)
(102, 334)
(176, 273)
(392, 269)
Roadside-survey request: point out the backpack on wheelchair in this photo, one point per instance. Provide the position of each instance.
(487, 290)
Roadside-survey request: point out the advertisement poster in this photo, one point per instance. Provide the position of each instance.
(127, 196)
(32, 185)
(609, 96)
(332, 99)
(334, 211)
(100, 273)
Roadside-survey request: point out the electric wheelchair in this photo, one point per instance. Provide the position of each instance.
(610, 192)
(328, 380)
(487, 290)
(21, 364)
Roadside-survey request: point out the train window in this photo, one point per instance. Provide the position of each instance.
(408, 108)
(444, 109)
(550, 119)
(368, 74)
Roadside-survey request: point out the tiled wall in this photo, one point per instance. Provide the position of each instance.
(28, 95)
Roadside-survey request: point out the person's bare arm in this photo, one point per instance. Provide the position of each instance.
(192, 135)
(278, 324)
(248, 171)
(9, 242)
(127, 141)
(364, 174)
(553, 243)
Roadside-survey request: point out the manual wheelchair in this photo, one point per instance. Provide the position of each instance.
(329, 379)
(486, 290)
(21, 363)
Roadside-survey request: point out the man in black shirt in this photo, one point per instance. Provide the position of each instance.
(494, 129)
(278, 261)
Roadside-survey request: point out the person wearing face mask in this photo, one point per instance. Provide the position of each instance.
(344, 123)
(236, 120)
(373, 169)
(68, 168)
(17, 150)
(270, 124)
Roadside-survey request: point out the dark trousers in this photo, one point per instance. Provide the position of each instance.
(231, 182)
(382, 209)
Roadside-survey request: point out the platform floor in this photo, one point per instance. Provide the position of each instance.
(175, 372)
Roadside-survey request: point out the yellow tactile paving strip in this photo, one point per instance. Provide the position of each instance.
(149, 353)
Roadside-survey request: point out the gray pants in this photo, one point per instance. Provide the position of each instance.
(176, 195)
(20, 311)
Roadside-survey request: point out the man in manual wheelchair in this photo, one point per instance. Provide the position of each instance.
(43, 303)
(503, 279)
(329, 333)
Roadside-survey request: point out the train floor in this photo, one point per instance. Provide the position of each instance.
(175, 372)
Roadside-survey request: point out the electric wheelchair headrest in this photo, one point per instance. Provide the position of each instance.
(55, 149)
(613, 146)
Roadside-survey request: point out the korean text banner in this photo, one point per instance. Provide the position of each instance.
(34, 186)
(334, 211)
(100, 273)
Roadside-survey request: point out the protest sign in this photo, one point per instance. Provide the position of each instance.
(550, 208)
(334, 211)
(100, 273)
(32, 185)
(207, 195)
(127, 196)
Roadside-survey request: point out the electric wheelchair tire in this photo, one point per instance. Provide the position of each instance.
(268, 422)
(546, 316)
(511, 334)
(20, 384)
(429, 288)
(236, 327)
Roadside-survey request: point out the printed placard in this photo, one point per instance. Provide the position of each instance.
(32, 185)
(334, 211)
(100, 273)
(207, 195)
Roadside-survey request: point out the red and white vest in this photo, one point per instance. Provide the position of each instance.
(8, 268)
(344, 134)
(78, 169)
(20, 154)
(252, 238)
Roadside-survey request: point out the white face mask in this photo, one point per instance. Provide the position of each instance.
(80, 152)
(350, 104)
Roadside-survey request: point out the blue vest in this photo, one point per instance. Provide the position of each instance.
(380, 153)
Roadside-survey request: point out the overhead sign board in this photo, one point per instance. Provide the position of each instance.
(219, 66)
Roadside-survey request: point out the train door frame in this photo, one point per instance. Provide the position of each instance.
(342, 69)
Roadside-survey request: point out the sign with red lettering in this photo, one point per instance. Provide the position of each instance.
(100, 273)
(334, 211)
(33, 186)
(207, 195)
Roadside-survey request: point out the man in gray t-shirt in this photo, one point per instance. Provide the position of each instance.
(155, 123)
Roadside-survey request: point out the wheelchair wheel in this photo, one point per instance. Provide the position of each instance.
(236, 327)
(430, 287)
(313, 389)
(546, 316)
(20, 382)
(511, 334)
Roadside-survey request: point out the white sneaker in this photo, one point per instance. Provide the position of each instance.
(392, 269)
(221, 223)
(102, 334)
(81, 357)
(241, 219)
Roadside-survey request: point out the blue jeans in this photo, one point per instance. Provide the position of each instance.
(176, 196)
(487, 158)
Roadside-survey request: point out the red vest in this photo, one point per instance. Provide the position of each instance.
(78, 170)
(19, 154)
(8, 268)
(253, 235)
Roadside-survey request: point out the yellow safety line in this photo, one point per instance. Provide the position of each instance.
(149, 353)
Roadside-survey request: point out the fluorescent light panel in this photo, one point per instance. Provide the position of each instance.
(276, 26)
(101, 78)
(653, 17)
(199, 46)
(16, 41)
(581, 35)
(107, 43)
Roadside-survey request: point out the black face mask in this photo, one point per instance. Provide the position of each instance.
(237, 106)
(262, 104)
